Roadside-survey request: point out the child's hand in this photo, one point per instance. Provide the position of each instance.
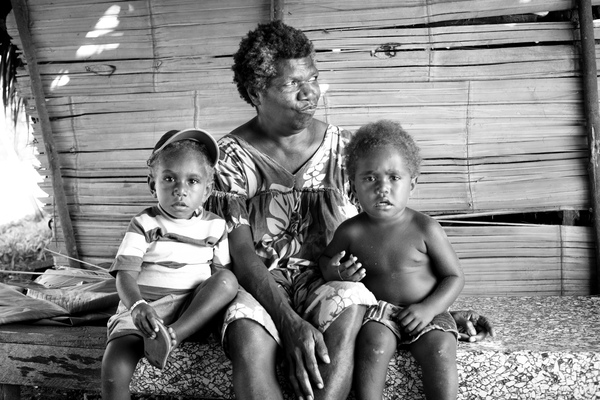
(144, 317)
(472, 327)
(349, 270)
(414, 318)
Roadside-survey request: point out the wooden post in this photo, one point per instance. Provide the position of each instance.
(569, 217)
(277, 10)
(590, 93)
(60, 199)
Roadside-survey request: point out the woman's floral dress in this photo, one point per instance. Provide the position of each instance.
(292, 218)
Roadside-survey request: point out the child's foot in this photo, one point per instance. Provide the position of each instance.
(174, 342)
(157, 350)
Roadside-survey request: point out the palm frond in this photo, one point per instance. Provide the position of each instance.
(9, 62)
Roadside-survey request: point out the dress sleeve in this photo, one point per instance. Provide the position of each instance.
(345, 137)
(235, 182)
(221, 257)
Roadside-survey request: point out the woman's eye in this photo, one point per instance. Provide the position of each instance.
(370, 179)
(194, 181)
(168, 179)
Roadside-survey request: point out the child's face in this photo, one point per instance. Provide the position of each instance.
(382, 183)
(180, 184)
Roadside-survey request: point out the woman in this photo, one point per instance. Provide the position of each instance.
(281, 186)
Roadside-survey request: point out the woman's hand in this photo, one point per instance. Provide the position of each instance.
(349, 270)
(303, 344)
(472, 327)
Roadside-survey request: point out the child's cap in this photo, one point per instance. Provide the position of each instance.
(198, 135)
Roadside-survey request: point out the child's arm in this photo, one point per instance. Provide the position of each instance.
(332, 268)
(143, 315)
(221, 255)
(446, 266)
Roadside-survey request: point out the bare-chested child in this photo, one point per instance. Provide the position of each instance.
(404, 257)
(173, 267)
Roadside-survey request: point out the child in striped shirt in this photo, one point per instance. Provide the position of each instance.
(173, 267)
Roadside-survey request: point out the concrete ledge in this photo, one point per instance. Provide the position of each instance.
(546, 348)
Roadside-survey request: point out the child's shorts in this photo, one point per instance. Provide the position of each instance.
(383, 312)
(168, 308)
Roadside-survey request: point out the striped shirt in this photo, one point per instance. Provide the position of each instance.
(172, 255)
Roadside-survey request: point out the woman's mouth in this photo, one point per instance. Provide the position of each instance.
(309, 108)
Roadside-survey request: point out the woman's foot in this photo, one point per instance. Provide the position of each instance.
(157, 350)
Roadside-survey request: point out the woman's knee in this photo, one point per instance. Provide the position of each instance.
(346, 326)
(249, 342)
(253, 354)
(352, 315)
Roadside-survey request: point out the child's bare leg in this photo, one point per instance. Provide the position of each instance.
(208, 300)
(435, 352)
(375, 346)
(118, 364)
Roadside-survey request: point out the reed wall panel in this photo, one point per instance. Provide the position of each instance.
(496, 108)
(330, 14)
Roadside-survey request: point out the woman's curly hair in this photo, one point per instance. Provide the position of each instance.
(383, 133)
(254, 64)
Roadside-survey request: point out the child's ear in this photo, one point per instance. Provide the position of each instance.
(152, 185)
(209, 189)
(413, 184)
(352, 186)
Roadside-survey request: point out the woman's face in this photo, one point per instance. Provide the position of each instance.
(292, 96)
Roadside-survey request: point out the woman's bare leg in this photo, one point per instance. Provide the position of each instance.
(340, 339)
(253, 353)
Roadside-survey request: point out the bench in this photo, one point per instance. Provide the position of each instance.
(546, 348)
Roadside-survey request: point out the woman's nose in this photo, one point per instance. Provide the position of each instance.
(310, 91)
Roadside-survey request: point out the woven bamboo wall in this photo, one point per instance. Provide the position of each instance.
(496, 108)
